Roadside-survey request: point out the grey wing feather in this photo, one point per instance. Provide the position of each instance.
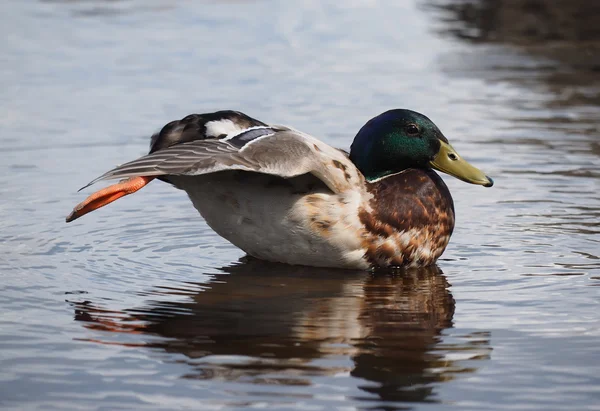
(286, 153)
(180, 159)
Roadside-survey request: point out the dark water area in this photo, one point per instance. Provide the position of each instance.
(140, 306)
(563, 36)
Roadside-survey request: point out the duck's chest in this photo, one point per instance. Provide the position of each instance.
(410, 219)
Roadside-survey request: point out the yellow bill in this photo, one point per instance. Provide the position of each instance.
(448, 161)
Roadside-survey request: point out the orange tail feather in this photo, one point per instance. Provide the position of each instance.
(108, 195)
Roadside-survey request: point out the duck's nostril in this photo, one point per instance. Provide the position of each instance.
(452, 156)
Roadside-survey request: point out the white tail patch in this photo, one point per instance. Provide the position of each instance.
(218, 128)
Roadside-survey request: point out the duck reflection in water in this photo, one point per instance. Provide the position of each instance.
(268, 323)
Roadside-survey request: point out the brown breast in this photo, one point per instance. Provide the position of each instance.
(411, 220)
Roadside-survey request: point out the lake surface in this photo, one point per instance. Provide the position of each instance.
(140, 306)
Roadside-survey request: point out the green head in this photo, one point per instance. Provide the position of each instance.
(400, 139)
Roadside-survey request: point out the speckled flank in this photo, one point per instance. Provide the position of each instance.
(319, 222)
(344, 168)
(334, 217)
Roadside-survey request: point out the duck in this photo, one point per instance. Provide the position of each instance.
(284, 196)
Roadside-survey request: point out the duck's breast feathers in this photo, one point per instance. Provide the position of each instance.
(412, 198)
(410, 219)
(202, 144)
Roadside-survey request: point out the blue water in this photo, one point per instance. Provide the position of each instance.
(141, 306)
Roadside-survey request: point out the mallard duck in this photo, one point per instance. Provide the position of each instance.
(282, 195)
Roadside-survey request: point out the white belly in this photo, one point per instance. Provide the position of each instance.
(294, 221)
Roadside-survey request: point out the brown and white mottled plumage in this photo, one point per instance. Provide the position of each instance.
(282, 195)
(410, 220)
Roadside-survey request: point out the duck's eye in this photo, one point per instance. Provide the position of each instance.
(412, 129)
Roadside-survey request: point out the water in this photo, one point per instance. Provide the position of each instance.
(140, 306)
